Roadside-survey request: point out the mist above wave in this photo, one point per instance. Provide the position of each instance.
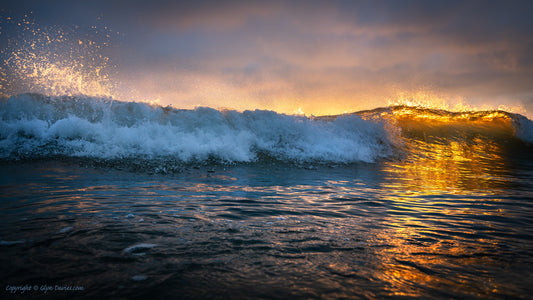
(34, 125)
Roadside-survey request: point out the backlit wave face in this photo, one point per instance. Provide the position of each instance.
(455, 152)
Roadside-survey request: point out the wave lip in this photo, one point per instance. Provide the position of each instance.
(417, 122)
(34, 125)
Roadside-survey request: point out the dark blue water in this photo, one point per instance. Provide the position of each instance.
(268, 231)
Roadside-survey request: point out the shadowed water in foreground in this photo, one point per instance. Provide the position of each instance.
(267, 231)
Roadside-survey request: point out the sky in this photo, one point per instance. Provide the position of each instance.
(315, 57)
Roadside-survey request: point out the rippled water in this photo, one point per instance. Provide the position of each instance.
(444, 229)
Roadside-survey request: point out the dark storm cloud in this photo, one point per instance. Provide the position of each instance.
(311, 50)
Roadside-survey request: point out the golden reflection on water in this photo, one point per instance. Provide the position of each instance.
(452, 166)
(430, 231)
(412, 265)
(450, 151)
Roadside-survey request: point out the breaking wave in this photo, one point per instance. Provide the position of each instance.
(37, 126)
(33, 126)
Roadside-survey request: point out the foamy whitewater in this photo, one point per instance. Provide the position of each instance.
(38, 126)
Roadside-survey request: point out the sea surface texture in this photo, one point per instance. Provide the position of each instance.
(101, 198)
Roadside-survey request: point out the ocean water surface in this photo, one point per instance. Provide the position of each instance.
(101, 198)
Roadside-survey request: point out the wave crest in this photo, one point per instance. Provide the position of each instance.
(37, 126)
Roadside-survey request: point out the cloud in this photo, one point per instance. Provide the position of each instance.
(309, 52)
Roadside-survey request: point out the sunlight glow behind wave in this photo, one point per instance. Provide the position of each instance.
(428, 99)
(55, 61)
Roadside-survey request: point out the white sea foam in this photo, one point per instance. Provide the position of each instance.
(66, 229)
(524, 129)
(141, 246)
(9, 243)
(139, 277)
(35, 125)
